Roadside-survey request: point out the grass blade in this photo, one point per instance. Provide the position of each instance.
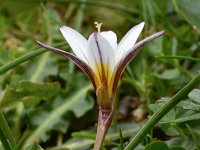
(179, 57)
(5, 134)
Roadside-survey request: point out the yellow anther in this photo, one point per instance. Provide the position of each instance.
(98, 26)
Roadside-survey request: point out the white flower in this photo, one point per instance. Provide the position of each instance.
(102, 58)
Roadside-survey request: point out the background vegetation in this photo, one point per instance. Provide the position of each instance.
(48, 101)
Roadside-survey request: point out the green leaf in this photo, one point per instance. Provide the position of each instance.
(169, 74)
(121, 146)
(75, 144)
(169, 130)
(29, 93)
(189, 9)
(80, 142)
(83, 105)
(187, 142)
(189, 105)
(157, 145)
(40, 69)
(169, 117)
(53, 118)
(155, 48)
(4, 57)
(185, 118)
(37, 115)
(195, 95)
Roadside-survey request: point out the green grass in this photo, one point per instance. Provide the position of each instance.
(47, 102)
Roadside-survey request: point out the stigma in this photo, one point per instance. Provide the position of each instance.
(98, 26)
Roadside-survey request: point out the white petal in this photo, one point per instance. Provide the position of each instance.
(76, 41)
(120, 66)
(81, 64)
(129, 40)
(100, 54)
(111, 38)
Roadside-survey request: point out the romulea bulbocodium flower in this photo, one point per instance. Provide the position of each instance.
(103, 60)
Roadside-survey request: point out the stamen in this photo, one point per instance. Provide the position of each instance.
(98, 26)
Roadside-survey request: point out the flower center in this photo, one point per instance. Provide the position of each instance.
(98, 26)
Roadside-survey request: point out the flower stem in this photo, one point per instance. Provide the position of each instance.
(163, 111)
(104, 121)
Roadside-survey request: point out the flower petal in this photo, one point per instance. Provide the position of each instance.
(81, 64)
(129, 40)
(129, 56)
(101, 56)
(111, 38)
(76, 41)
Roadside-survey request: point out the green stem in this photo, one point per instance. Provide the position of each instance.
(136, 85)
(162, 111)
(178, 129)
(37, 73)
(79, 17)
(78, 23)
(91, 136)
(193, 137)
(21, 59)
(185, 72)
(179, 57)
(6, 134)
(83, 135)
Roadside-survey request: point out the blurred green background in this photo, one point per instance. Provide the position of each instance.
(48, 101)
